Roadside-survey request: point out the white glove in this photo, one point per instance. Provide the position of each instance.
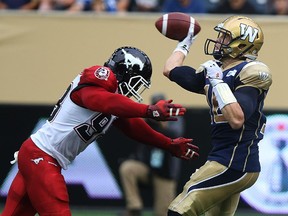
(184, 45)
(221, 90)
(213, 72)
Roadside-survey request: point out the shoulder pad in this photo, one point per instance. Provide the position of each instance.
(201, 69)
(99, 76)
(256, 74)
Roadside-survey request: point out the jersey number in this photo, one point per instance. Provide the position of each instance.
(58, 104)
(216, 114)
(98, 123)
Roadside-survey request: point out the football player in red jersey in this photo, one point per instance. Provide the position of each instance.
(97, 98)
(235, 85)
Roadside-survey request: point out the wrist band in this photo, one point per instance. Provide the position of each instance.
(223, 94)
(182, 48)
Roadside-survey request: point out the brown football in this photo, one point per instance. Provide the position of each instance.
(176, 25)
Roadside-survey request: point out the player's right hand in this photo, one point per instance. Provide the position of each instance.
(183, 148)
(184, 45)
(164, 110)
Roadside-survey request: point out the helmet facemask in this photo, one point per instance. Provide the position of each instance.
(134, 87)
(219, 48)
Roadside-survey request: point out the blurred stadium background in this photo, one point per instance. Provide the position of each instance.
(41, 53)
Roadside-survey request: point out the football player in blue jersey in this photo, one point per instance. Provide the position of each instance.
(235, 85)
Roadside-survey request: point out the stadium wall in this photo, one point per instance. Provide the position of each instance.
(42, 52)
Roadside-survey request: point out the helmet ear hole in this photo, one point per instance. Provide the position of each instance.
(135, 68)
(241, 46)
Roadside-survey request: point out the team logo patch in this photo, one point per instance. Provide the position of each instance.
(263, 75)
(231, 73)
(102, 73)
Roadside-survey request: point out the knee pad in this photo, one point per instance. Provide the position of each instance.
(172, 213)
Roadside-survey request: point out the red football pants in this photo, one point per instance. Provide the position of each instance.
(38, 187)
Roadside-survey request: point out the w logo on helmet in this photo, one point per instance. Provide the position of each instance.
(248, 31)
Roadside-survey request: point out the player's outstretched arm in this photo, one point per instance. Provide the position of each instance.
(139, 130)
(98, 99)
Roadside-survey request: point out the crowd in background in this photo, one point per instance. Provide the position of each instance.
(275, 7)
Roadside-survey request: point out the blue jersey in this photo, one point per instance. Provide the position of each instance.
(249, 82)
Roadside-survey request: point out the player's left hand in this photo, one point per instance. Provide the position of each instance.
(164, 110)
(213, 71)
(183, 148)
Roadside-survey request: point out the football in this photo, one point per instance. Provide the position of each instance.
(176, 25)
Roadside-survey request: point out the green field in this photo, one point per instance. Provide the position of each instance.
(117, 212)
(146, 213)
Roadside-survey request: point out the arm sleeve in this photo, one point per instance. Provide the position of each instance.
(139, 130)
(188, 78)
(98, 99)
(247, 97)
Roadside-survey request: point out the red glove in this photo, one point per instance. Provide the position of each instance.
(164, 109)
(182, 148)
